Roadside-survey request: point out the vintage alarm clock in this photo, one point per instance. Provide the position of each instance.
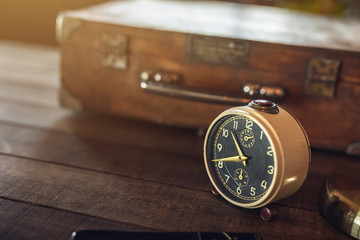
(256, 154)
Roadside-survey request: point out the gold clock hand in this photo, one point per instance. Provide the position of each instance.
(247, 138)
(241, 155)
(229, 159)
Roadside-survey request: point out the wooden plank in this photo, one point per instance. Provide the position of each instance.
(27, 221)
(107, 129)
(29, 64)
(29, 74)
(29, 95)
(32, 76)
(130, 161)
(148, 204)
(37, 222)
(29, 54)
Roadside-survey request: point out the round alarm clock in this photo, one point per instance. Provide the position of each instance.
(256, 154)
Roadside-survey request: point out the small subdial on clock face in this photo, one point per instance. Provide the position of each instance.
(247, 138)
(241, 177)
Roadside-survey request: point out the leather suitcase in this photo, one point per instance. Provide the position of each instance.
(181, 63)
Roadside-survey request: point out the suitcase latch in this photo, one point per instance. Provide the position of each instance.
(322, 76)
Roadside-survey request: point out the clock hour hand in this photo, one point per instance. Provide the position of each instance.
(241, 155)
(230, 159)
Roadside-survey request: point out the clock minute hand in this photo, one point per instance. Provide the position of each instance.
(241, 155)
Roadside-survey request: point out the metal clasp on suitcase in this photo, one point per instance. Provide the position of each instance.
(166, 83)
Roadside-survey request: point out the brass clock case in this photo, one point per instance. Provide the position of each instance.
(290, 147)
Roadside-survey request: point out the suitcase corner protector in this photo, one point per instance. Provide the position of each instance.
(65, 25)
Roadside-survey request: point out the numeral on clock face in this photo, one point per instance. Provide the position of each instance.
(270, 169)
(249, 124)
(235, 125)
(225, 133)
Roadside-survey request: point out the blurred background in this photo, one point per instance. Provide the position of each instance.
(34, 20)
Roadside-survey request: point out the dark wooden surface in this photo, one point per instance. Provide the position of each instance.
(62, 171)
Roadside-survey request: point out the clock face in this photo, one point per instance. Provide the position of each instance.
(240, 158)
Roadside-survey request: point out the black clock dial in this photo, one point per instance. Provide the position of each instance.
(240, 158)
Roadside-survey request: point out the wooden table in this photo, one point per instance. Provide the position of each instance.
(62, 171)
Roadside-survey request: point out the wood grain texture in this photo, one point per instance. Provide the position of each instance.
(149, 204)
(29, 74)
(274, 63)
(108, 129)
(63, 171)
(28, 221)
(105, 157)
(135, 161)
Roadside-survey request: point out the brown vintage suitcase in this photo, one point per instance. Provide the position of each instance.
(183, 62)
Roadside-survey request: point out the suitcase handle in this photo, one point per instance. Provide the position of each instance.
(166, 83)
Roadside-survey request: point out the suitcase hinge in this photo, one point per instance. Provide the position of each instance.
(322, 76)
(114, 50)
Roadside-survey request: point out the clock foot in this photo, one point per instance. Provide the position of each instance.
(214, 191)
(267, 214)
